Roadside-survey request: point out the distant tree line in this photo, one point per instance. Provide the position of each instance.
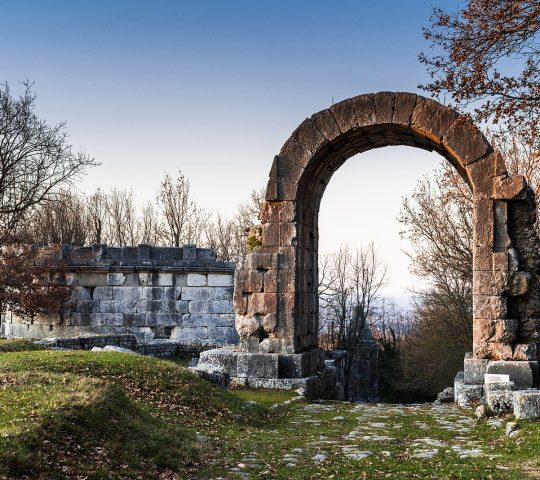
(114, 217)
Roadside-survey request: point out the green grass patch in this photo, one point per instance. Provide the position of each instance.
(18, 346)
(111, 415)
(61, 425)
(108, 415)
(265, 397)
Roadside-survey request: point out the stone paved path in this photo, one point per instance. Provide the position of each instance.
(363, 435)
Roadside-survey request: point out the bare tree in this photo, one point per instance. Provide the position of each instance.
(183, 221)
(122, 221)
(150, 227)
(96, 209)
(222, 236)
(335, 294)
(228, 237)
(36, 159)
(63, 221)
(437, 221)
(350, 297)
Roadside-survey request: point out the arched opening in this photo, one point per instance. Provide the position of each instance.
(366, 310)
(275, 293)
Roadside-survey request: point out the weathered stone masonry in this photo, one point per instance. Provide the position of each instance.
(182, 294)
(275, 294)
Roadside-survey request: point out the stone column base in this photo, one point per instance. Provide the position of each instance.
(305, 371)
(523, 373)
(500, 385)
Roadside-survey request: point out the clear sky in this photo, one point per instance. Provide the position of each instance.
(214, 88)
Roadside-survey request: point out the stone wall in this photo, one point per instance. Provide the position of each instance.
(183, 294)
(156, 348)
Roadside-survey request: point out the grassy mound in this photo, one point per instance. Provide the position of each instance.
(100, 415)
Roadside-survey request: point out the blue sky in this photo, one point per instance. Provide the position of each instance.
(214, 88)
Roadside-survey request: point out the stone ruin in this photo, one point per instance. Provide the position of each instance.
(149, 293)
(275, 296)
(185, 294)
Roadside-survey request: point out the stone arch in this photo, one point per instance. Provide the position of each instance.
(275, 291)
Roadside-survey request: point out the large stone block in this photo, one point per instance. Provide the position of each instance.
(192, 335)
(224, 320)
(466, 395)
(526, 404)
(196, 280)
(268, 345)
(384, 107)
(489, 306)
(182, 306)
(262, 261)
(247, 326)
(220, 360)
(280, 211)
(250, 280)
(495, 331)
(523, 374)
(483, 227)
(263, 365)
(127, 293)
(115, 279)
(138, 320)
(299, 364)
(474, 370)
(295, 152)
(88, 279)
(309, 135)
(157, 306)
(432, 119)
(490, 349)
(240, 302)
(510, 188)
(489, 283)
(221, 335)
(220, 280)
(489, 166)
(152, 293)
(262, 304)
(499, 396)
(197, 293)
(108, 306)
(211, 306)
(326, 124)
(80, 319)
(403, 108)
(103, 293)
(107, 319)
(466, 142)
(223, 293)
(525, 352)
(345, 115)
(164, 280)
(168, 319)
(180, 279)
